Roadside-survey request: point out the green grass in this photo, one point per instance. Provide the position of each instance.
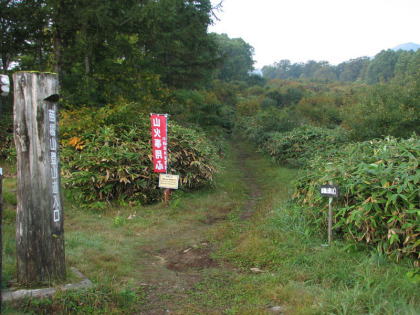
(121, 248)
(300, 272)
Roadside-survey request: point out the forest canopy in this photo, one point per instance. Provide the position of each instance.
(109, 46)
(386, 66)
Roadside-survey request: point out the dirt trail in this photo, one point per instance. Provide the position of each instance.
(255, 191)
(170, 271)
(170, 274)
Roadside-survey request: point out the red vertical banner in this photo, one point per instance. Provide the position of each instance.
(160, 143)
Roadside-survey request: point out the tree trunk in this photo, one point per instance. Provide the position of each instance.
(39, 232)
(87, 65)
(58, 62)
(39, 54)
(57, 54)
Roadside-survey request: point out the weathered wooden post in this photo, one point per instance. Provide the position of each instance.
(39, 232)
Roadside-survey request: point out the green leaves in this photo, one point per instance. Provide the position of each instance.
(379, 193)
(115, 161)
(237, 59)
(300, 145)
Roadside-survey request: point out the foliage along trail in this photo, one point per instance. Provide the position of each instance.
(234, 249)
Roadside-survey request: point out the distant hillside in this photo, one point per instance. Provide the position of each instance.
(407, 46)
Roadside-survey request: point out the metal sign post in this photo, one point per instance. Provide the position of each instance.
(330, 220)
(330, 191)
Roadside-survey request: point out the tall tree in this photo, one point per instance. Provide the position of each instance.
(351, 70)
(382, 67)
(20, 21)
(176, 42)
(269, 72)
(326, 73)
(403, 67)
(237, 58)
(413, 67)
(310, 67)
(283, 70)
(99, 48)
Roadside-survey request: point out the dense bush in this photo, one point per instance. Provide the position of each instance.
(6, 137)
(200, 108)
(379, 199)
(320, 110)
(367, 112)
(299, 146)
(258, 128)
(383, 110)
(247, 107)
(115, 161)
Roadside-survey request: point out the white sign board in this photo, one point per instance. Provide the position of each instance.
(329, 191)
(168, 181)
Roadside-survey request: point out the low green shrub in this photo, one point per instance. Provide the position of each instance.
(101, 299)
(200, 108)
(320, 110)
(115, 161)
(379, 199)
(299, 146)
(258, 128)
(248, 107)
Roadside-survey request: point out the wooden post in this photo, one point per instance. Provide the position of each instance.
(39, 232)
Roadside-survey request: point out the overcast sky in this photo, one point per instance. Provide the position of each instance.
(331, 30)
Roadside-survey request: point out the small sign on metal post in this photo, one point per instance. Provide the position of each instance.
(330, 191)
(168, 181)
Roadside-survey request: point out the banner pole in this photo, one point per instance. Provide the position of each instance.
(167, 160)
(161, 156)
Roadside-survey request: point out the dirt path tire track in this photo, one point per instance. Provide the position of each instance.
(255, 191)
(170, 271)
